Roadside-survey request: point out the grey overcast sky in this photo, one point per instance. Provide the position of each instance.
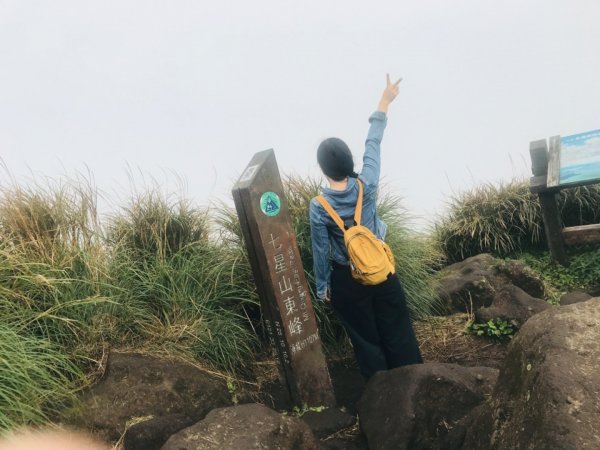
(195, 88)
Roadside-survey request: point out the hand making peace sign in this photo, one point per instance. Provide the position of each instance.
(392, 89)
(389, 94)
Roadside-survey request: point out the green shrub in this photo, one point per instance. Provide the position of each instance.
(583, 270)
(496, 328)
(506, 218)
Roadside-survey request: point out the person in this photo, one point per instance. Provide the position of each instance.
(375, 317)
(50, 439)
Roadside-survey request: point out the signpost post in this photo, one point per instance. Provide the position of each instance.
(567, 162)
(282, 287)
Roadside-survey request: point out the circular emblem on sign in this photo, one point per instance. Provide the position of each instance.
(270, 204)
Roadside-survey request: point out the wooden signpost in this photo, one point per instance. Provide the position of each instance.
(565, 162)
(285, 298)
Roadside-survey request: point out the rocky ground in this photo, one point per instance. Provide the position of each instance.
(442, 339)
(456, 401)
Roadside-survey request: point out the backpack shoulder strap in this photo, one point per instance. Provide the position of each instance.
(335, 216)
(359, 201)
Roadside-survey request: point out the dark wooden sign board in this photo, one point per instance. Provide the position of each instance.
(282, 287)
(545, 166)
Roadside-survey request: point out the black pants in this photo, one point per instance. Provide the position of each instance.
(377, 321)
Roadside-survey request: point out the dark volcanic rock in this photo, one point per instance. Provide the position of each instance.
(465, 285)
(414, 407)
(492, 288)
(153, 433)
(512, 304)
(574, 297)
(594, 291)
(248, 427)
(548, 391)
(138, 386)
(474, 282)
(341, 444)
(522, 276)
(328, 421)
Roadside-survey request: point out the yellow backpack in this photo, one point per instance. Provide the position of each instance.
(371, 259)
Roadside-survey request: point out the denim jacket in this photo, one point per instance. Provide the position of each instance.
(327, 238)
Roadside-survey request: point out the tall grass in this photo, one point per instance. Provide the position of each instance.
(181, 286)
(52, 287)
(52, 259)
(159, 274)
(156, 225)
(54, 221)
(37, 379)
(417, 256)
(506, 218)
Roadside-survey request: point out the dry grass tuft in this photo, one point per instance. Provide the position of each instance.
(443, 339)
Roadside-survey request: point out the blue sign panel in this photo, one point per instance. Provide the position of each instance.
(580, 157)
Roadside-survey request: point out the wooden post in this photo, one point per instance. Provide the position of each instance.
(282, 287)
(553, 227)
(545, 172)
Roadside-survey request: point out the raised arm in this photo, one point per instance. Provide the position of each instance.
(389, 94)
(371, 158)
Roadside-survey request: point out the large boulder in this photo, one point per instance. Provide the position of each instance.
(414, 407)
(465, 285)
(473, 282)
(511, 303)
(492, 288)
(136, 385)
(548, 391)
(522, 276)
(251, 426)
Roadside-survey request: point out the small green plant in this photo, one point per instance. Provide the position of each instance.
(299, 412)
(232, 388)
(497, 328)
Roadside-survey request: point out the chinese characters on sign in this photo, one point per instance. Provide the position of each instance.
(291, 291)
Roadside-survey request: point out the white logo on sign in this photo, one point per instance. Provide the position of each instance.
(248, 173)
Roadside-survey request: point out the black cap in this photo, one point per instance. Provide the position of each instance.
(335, 159)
